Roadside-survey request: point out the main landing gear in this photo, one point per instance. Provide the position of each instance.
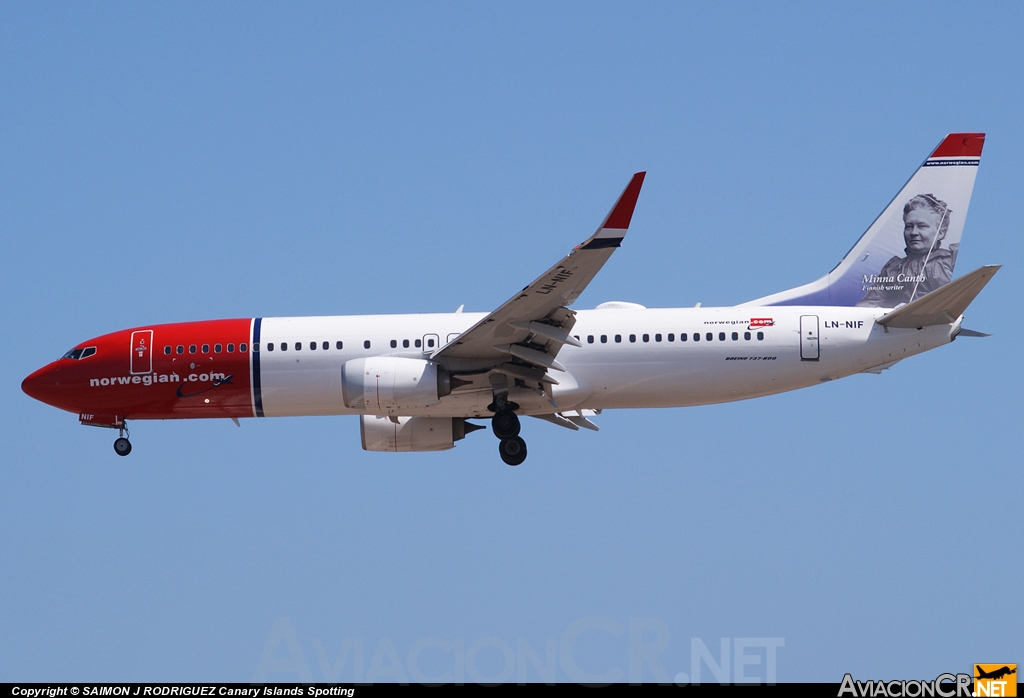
(505, 425)
(122, 446)
(513, 451)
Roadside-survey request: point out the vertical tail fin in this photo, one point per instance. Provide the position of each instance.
(911, 248)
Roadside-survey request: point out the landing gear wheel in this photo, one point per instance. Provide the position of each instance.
(122, 446)
(505, 424)
(513, 451)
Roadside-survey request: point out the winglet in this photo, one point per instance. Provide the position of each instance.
(622, 212)
(614, 228)
(943, 306)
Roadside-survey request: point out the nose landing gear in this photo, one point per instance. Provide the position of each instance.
(122, 446)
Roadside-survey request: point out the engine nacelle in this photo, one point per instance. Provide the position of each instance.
(410, 433)
(389, 384)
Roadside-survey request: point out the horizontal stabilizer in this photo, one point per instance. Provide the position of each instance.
(943, 306)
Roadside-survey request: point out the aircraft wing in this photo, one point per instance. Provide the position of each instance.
(531, 327)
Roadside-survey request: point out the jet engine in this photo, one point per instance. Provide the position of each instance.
(412, 433)
(389, 384)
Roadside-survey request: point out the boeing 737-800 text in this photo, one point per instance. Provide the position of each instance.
(415, 380)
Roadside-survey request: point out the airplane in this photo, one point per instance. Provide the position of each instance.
(996, 673)
(416, 380)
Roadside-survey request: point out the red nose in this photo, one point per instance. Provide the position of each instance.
(44, 385)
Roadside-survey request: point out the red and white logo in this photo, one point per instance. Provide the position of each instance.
(756, 322)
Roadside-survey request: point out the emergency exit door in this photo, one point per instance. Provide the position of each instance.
(142, 351)
(809, 338)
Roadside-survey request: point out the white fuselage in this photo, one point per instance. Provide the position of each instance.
(647, 366)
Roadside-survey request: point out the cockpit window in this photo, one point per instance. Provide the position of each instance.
(76, 354)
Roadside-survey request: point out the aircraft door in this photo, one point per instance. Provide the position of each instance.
(809, 350)
(431, 343)
(142, 351)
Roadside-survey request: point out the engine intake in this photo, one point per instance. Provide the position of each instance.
(387, 384)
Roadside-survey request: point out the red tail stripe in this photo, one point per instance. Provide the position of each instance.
(960, 145)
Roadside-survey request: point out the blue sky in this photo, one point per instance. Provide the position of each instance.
(196, 161)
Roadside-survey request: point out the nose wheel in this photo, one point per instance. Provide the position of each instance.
(122, 446)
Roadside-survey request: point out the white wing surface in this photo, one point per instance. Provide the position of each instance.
(525, 334)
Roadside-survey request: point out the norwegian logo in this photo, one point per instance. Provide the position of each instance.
(995, 680)
(756, 322)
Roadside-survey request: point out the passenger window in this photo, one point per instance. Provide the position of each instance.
(646, 337)
(217, 348)
(338, 345)
(760, 336)
(682, 336)
(366, 344)
(604, 339)
(206, 348)
(430, 343)
(746, 336)
(735, 336)
(242, 347)
(632, 337)
(284, 346)
(88, 351)
(191, 348)
(590, 339)
(326, 346)
(405, 343)
(418, 343)
(394, 343)
(255, 346)
(231, 348)
(657, 338)
(618, 338)
(671, 336)
(180, 349)
(709, 336)
(167, 349)
(298, 346)
(270, 346)
(696, 336)
(721, 336)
